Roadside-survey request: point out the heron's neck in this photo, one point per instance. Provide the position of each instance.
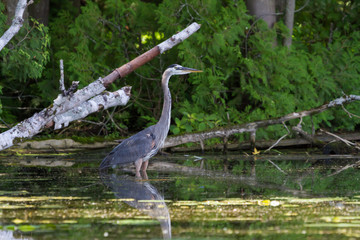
(164, 120)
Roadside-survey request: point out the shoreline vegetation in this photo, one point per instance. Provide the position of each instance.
(264, 77)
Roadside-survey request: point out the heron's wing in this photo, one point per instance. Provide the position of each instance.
(131, 149)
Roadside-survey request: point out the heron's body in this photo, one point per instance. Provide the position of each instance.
(140, 147)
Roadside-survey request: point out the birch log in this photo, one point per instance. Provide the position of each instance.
(149, 55)
(253, 126)
(35, 124)
(101, 101)
(16, 24)
(38, 121)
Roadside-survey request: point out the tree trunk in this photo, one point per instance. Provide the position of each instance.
(10, 6)
(289, 21)
(40, 11)
(264, 9)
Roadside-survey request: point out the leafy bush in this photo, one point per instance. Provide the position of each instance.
(22, 64)
(248, 75)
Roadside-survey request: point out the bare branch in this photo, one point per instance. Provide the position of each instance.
(113, 121)
(61, 82)
(125, 69)
(62, 104)
(102, 101)
(16, 24)
(347, 142)
(302, 7)
(250, 127)
(178, 38)
(279, 140)
(39, 121)
(349, 113)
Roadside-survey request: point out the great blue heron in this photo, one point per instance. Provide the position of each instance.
(140, 147)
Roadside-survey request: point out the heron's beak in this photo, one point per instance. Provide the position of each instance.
(189, 70)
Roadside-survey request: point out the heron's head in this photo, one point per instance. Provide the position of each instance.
(176, 69)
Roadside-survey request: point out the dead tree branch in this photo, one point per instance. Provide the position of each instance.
(279, 140)
(16, 23)
(251, 127)
(149, 55)
(62, 78)
(35, 124)
(311, 139)
(347, 142)
(101, 101)
(349, 113)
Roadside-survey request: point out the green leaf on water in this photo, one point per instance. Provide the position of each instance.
(26, 228)
(10, 227)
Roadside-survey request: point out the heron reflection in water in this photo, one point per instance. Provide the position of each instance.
(144, 197)
(139, 148)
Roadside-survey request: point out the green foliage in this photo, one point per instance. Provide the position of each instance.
(247, 74)
(105, 36)
(250, 76)
(22, 64)
(191, 122)
(216, 51)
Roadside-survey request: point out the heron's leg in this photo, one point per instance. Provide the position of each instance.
(144, 165)
(138, 164)
(144, 176)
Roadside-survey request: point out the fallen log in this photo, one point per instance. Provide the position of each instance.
(225, 132)
(265, 144)
(313, 140)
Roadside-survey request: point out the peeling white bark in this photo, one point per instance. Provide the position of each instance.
(102, 101)
(64, 103)
(38, 121)
(179, 37)
(342, 100)
(16, 24)
(24, 129)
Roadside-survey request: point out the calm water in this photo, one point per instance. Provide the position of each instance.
(185, 197)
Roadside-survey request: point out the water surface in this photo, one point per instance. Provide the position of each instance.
(196, 196)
